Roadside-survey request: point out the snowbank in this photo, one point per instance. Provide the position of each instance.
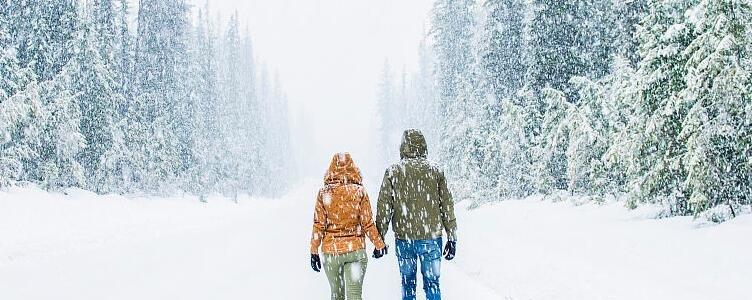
(532, 249)
(35, 223)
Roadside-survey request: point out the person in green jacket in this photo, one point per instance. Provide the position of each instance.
(415, 200)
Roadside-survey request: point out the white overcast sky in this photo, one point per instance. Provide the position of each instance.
(329, 54)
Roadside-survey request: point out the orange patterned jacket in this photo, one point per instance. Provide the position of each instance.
(343, 215)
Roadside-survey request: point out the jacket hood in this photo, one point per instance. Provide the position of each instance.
(413, 145)
(342, 170)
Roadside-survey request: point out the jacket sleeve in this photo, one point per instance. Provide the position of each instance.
(366, 222)
(447, 209)
(385, 205)
(319, 225)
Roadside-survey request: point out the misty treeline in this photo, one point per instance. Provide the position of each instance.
(649, 100)
(175, 101)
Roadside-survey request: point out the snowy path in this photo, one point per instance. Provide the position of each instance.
(254, 251)
(83, 246)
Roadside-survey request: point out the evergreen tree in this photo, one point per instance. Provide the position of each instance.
(567, 39)
(550, 153)
(231, 97)
(627, 15)
(44, 31)
(716, 126)
(502, 46)
(102, 16)
(452, 30)
(123, 56)
(251, 105)
(453, 23)
(206, 103)
(161, 76)
(5, 38)
(98, 98)
(61, 141)
(617, 107)
(514, 163)
(83, 103)
(19, 108)
(656, 174)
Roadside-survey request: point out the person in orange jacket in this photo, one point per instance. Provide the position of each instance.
(341, 221)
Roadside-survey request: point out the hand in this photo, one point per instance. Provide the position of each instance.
(378, 253)
(450, 250)
(316, 262)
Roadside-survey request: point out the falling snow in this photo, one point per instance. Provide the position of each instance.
(630, 119)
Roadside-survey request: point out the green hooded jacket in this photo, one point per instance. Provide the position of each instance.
(414, 196)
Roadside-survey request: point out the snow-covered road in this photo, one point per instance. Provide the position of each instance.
(89, 248)
(83, 246)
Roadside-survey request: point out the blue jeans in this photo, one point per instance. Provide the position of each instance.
(429, 254)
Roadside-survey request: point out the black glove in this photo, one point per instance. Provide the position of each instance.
(315, 262)
(450, 249)
(378, 253)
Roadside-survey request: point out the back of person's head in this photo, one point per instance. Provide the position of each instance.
(342, 170)
(413, 145)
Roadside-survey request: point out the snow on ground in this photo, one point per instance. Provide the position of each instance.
(83, 246)
(532, 249)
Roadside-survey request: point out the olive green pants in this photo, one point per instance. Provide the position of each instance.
(345, 273)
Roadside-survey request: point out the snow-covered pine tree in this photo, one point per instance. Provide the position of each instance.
(656, 172)
(19, 108)
(502, 48)
(716, 125)
(114, 171)
(102, 16)
(61, 139)
(43, 31)
(589, 138)
(477, 143)
(206, 104)
(231, 81)
(473, 148)
(567, 39)
(42, 119)
(254, 118)
(626, 16)
(230, 116)
(452, 27)
(617, 105)
(578, 136)
(13, 77)
(162, 107)
(5, 39)
(515, 178)
(123, 56)
(94, 78)
(554, 58)
(554, 52)
(550, 158)
(84, 106)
